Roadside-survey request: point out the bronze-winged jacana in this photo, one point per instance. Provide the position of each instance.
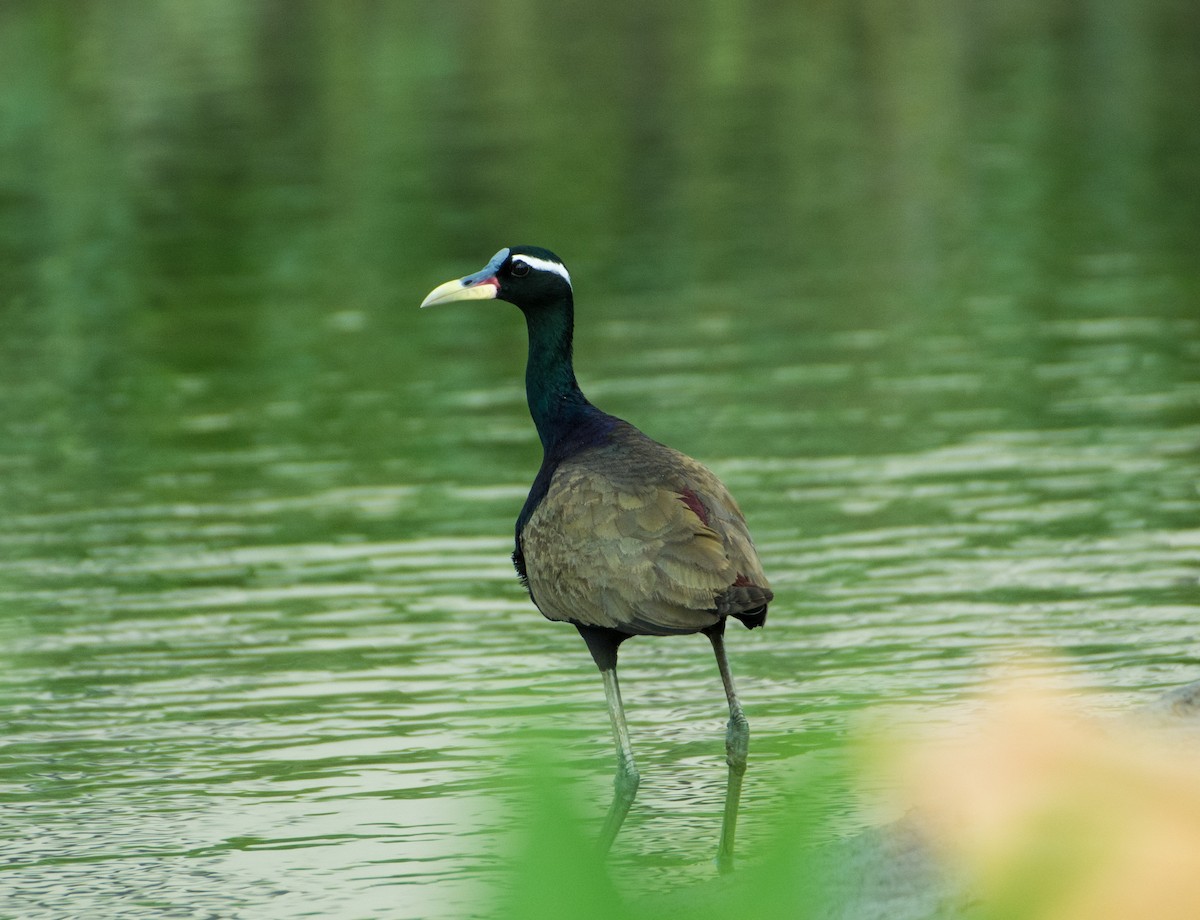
(620, 535)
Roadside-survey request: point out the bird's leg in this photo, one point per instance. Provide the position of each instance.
(737, 746)
(625, 785)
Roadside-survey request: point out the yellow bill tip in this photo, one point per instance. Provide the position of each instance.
(457, 290)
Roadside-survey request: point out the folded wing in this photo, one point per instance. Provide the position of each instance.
(643, 539)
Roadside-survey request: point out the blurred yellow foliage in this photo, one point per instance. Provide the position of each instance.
(1051, 816)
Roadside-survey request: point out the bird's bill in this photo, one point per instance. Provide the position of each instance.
(459, 289)
(483, 285)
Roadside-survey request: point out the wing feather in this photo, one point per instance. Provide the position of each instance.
(644, 540)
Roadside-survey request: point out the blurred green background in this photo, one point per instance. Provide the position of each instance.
(918, 280)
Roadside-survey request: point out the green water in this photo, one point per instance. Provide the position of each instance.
(920, 283)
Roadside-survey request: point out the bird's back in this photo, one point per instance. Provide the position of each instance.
(635, 536)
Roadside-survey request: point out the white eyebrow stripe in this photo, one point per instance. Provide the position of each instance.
(544, 265)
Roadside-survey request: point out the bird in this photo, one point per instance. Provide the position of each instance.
(620, 535)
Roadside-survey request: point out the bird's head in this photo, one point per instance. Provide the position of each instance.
(523, 275)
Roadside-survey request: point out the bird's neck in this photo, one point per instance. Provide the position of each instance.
(555, 400)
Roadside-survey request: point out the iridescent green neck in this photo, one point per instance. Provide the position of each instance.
(555, 400)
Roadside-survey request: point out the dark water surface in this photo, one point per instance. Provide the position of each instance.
(921, 286)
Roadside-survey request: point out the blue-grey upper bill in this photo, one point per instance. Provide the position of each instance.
(482, 285)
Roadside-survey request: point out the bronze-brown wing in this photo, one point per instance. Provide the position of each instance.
(644, 540)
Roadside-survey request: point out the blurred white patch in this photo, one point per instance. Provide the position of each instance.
(347, 321)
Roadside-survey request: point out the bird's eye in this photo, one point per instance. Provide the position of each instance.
(519, 269)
